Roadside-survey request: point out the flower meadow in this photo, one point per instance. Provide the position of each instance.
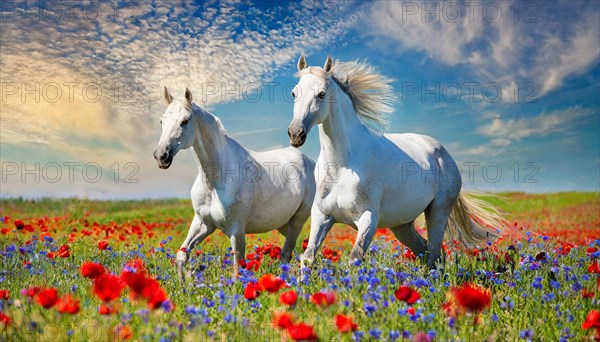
(82, 270)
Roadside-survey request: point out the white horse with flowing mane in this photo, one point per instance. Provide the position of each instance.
(368, 179)
(237, 190)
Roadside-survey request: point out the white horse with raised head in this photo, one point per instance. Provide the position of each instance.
(368, 179)
(237, 190)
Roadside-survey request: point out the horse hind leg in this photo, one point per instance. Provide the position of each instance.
(407, 234)
(436, 216)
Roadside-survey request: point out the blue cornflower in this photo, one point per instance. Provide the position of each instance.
(191, 310)
(526, 334)
(375, 333)
(452, 322)
(394, 335)
(357, 335)
(370, 308)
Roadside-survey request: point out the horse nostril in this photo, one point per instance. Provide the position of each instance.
(164, 156)
(302, 134)
(290, 132)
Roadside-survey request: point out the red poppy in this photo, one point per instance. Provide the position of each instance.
(92, 270)
(47, 298)
(102, 245)
(107, 287)
(282, 320)
(153, 293)
(408, 254)
(472, 297)
(407, 294)
(135, 281)
(591, 250)
(19, 224)
(64, 251)
(31, 292)
(124, 332)
(271, 283)
(4, 231)
(302, 332)
(144, 286)
(275, 253)
(345, 324)
(252, 291)
(587, 294)
(68, 305)
(304, 244)
(593, 268)
(137, 264)
(592, 320)
(4, 294)
(331, 254)
(4, 319)
(323, 298)
(564, 249)
(288, 297)
(411, 310)
(104, 309)
(50, 255)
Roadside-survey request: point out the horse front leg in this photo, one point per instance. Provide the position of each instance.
(197, 233)
(319, 227)
(238, 245)
(367, 226)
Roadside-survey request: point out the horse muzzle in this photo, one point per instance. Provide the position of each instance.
(163, 158)
(297, 136)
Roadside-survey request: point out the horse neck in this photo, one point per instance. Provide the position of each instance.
(338, 132)
(210, 145)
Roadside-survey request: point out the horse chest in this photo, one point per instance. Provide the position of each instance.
(213, 208)
(341, 196)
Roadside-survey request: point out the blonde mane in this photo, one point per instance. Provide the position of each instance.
(371, 93)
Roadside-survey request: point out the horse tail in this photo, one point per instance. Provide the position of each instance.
(474, 220)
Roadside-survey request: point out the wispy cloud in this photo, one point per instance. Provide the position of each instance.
(505, 42)
(504, 131)
(126, 59)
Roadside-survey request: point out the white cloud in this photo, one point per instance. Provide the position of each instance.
(545, 44)
(174, 43)
(504, 131)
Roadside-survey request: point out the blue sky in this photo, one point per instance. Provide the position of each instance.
(528, 74)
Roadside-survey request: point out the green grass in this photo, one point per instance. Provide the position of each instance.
(517, 304)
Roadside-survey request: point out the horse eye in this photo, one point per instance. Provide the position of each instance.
(161, 121)
(184, 122)
(293, 95)
(322, 95)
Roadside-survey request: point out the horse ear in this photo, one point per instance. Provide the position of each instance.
(168, 97)
(188, 95)
(302, 63)
(328, 64)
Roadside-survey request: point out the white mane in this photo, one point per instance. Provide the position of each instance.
(197, 109)
(371, 93)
